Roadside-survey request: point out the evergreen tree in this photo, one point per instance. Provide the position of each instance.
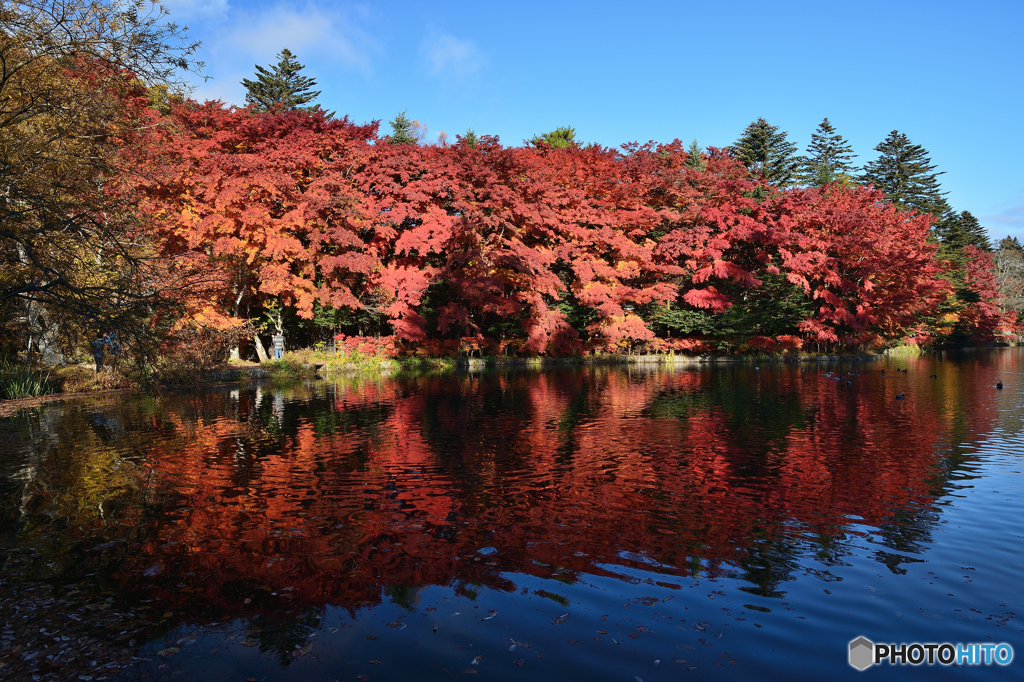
(281, 85)
(828, 157)
(694, 157)
(766, 153)
(470, 138)
(906, 174)
(402, 130)
(1011, 244)
(958, 230)
(559, 138)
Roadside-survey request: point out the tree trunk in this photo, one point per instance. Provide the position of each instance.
(260, 351)
(233, 354)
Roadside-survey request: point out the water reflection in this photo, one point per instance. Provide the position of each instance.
(268, 504)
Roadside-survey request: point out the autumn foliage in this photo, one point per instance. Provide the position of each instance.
(528, 250)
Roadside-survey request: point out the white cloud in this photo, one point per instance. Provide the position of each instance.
(447, 55)
(1009, 221)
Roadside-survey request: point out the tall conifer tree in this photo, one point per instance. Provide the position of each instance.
(962, 229)
(906, 174)
(282, 84)
(766, 153)
(402, 129)
(828, 157)
(695, 157)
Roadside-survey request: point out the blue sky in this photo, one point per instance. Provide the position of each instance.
(948, 74)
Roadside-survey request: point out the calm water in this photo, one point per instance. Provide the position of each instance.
(593, 524)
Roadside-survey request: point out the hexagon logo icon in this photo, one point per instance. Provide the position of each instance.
(862, 653)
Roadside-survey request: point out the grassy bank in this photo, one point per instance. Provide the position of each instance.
(18, 381)
(29, 386)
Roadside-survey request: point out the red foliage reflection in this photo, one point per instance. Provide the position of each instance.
(331, 497)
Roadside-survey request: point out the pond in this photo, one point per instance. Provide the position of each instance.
(598, 523)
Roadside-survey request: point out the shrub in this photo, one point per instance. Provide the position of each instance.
(18, 381)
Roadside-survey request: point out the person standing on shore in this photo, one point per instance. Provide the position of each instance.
(113, 349)
(278, 340)
(98, 344)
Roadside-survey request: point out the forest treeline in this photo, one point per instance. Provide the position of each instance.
(197, 227)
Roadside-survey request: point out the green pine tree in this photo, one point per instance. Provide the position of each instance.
(766, 153)
(470, 138)
(281, 85)
(559, 138)
(906, 174)
(957, 230)
(828, 157)
(695, 157)
(402, 131)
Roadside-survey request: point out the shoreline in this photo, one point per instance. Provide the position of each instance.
(230, 376)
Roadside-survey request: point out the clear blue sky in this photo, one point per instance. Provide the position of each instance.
(948, 74)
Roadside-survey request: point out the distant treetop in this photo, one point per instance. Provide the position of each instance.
(282, 84)
(905, 172)
(559, 138)
(828, 157)
(766, 153)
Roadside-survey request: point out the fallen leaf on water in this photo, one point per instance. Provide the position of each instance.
(396, 625)
(250, 642)
(436, 628)
(614, 640)
(247, 601)
(476, 660)
(520, 662)
(657, 661)
(374, 662)
(169, 651)
(561, 619)
(602, 632)
(491, 614)
(372, 637)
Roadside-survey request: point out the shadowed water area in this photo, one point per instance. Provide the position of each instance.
(591, 524)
